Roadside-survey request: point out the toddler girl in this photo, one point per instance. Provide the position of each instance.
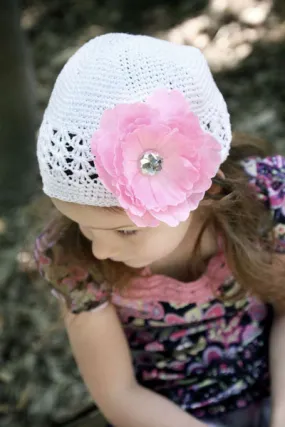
(167, 255)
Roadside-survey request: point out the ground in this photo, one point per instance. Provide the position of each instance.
(244, 43)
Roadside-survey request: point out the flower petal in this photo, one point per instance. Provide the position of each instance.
(180, 173)
(194, 199)
(147, 220)
(174, 214)
(103, 147)
(142, 188)
(168, 103)
(166, 192)
(129, 202)
(165, 124)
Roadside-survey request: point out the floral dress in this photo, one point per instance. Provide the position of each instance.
(209, 357)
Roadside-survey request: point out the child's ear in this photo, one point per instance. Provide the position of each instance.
(220, 174)
(216, 188)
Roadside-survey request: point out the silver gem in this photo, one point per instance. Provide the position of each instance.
(151, 163)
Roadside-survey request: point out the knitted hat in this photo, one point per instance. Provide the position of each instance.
(114, 70)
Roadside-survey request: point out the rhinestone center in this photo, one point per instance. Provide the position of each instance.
(151, 163)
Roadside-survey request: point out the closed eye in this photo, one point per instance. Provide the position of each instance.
(127, 232)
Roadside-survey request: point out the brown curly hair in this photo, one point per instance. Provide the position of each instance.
(235, 214)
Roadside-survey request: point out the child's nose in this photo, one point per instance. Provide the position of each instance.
(103, 251)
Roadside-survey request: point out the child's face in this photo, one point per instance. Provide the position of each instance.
(115, 236)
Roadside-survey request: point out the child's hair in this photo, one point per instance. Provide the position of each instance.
(235, 214)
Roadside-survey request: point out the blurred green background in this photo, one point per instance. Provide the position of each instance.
(244, 42)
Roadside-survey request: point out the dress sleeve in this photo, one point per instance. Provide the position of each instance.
(76, 286)
(267, 177)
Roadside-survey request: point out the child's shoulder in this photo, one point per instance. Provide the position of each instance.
(81, 289)
(267, 177)
(267, 167)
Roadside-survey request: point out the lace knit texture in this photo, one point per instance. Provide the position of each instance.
(106, 71)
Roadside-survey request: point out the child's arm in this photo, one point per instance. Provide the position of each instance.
(104, 360)
(277, 355)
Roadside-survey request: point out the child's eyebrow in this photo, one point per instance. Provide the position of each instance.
(112, 228)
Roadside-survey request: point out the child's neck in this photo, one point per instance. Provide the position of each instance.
(178, 263)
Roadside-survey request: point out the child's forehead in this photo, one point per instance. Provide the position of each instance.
(93, 216)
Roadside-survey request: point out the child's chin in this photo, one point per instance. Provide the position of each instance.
(135, 264)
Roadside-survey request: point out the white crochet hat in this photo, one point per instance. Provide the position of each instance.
(109, 70)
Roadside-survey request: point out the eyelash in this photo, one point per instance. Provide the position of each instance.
(127, 233)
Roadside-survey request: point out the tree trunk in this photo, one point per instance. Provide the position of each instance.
(17, 113)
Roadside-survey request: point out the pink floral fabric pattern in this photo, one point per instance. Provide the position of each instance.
(207, 356)
(267, 177)
(164, 126)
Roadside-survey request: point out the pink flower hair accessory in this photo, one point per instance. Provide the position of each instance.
(155, 158)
